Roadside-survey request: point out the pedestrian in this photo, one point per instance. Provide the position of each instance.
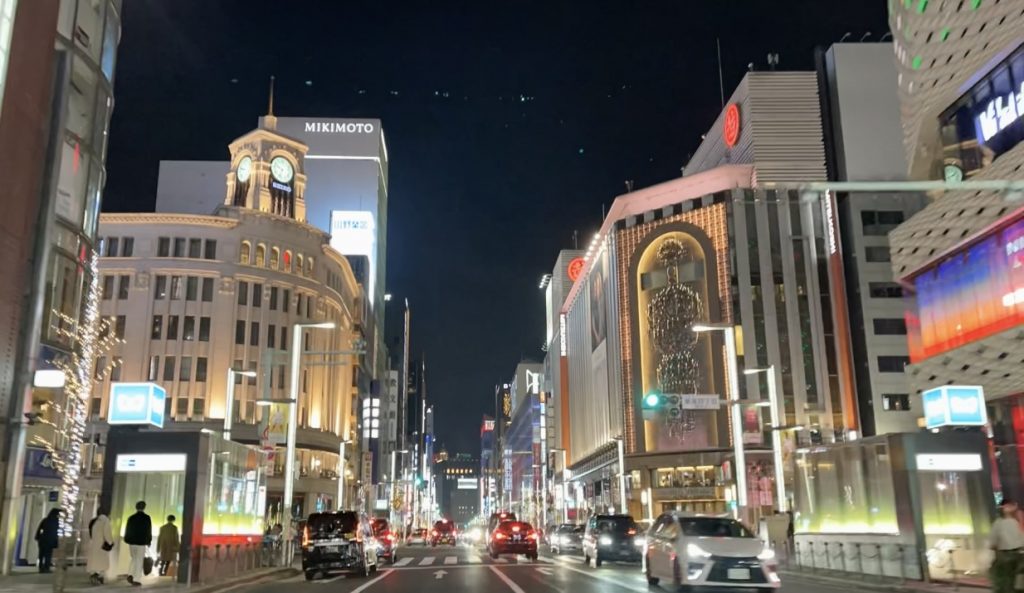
(101, 542)
(138, 534)
(168, 544)
(1007, 540)
(47, 539)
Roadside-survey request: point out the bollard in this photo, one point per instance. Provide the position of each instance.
(952, 571)
(814, 562)
(842, 556)
(828, 558)
(860, 561)
(899, 551)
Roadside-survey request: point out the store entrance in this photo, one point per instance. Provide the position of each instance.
(162, 490)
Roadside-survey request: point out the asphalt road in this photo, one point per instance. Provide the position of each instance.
(448, 569)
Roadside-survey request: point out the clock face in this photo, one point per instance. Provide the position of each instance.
(281, 169)
(953, 173)
(244, 169)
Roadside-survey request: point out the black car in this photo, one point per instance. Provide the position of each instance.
(610, 537)
(337, 542)
(443, 533)
(566, 538)
(387, 546)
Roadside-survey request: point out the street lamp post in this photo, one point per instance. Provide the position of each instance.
(229, 411)
(622, 475)
(341, 473)
(734, 410)
(773, 402)
(293, 420)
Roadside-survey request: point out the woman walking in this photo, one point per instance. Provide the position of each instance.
(47, 538)
(101, 542)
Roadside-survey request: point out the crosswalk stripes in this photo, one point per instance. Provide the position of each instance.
(403, 561)
(474, 559)
(451, 559)
(427, 561)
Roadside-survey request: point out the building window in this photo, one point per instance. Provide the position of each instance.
(254, 333)
(163, 248)
(210, 249)
(119, 324)
(243, 257)
(111, 246)
(127, 246)
(185, 370)
(188, 330)
(877, 254)
(182, 406)
(896, 402)
(284, 337)
(252, 368)
(287, 260)
(309, 267)
(122, 287)
(237, 366)
(201, 369)
(271, 336)
(298, 305)
(280, 375)
(198, 407)
(160, 288)
(885, 290)
(892, 364)
(191, 288)
(108, 287)
(243, 292)
(890, 327)
(207, 290)
(879, 223)
(172, 327)
(179, 247)
(195, 248)
(298, 264)
(309, 307)
(115, 369)
(261, 255)
(169, 368)
(158, 327)
(287, 297)
(275, 258)
(175, 288)
(240, 332)
(154, 368)
(257, 295)
(101, 366)
(273, 298)
(204, 329)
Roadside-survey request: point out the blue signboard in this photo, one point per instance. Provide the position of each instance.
(137, 403)
(954, 405)
(39, 464)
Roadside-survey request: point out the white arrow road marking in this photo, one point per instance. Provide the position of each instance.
(403, 561)
(451, 559)
(440, 574)
(427, 561)
(546, 571)
(511, 584)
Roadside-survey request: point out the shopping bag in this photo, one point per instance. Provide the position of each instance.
(147, 565)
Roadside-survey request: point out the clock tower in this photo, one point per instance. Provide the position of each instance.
(266, 171)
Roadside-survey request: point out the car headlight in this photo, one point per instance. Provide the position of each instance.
(695, 551)
(766, 554)
(604, 540)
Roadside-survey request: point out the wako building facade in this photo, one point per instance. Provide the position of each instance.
(200, 298)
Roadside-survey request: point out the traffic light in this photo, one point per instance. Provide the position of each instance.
(651, 403)
(419, 481)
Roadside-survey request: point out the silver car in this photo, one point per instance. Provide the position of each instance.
(690, 550)
(566, 538)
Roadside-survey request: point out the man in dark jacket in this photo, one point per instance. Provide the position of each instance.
(138, 534)
(47, 539)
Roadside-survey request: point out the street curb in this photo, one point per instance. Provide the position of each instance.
(894, 586)
(274, 575)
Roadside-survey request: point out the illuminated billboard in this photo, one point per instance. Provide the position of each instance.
(973, 293)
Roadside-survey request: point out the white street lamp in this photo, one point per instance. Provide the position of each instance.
(229, 403)
(293, 420)
(734, 410)
(773, 404)
(341, 473)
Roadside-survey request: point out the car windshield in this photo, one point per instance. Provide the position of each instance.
(713, 527)
(510, 526)
(332, 525)
(615, 524)
(570, 529)
(442, 526)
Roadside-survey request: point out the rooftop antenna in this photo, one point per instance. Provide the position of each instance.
(629, 185)
(865, 36)
(575, 239)
(887, 34)
(773, 61)
(270, 121)
(721, 85)
(845, 35)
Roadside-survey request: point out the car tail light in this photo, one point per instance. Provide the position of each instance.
(516, 528)
(532, 535)
(305, 536)
(434, 532)
(631, 532)
(499, 535)
(390, 537)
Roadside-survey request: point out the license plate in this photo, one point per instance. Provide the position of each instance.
(738, 574)
(331, 549)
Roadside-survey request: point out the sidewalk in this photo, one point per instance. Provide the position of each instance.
(872, 583)
(29, 580)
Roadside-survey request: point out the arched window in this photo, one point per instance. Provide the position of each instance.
(243, 257)
(309, 267)
(287, 261)
(298, 264)
(261, 255)
(275, 258)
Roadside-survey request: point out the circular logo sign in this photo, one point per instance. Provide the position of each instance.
(575, 268)
(731, 125)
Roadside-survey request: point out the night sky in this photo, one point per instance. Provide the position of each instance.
(509, 126)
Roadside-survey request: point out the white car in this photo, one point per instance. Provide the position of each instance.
(690, 550)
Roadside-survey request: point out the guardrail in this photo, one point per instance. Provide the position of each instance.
(880, 560)
(216, 562)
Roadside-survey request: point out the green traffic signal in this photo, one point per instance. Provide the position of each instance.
(652, 400)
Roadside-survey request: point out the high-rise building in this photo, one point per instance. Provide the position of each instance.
(57, 62)
(458, 487)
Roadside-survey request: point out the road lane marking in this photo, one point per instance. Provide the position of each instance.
(501, 560)
(403, 561)
(440, 574)
(547, 571)
(451, 559)
(511, 584)
(369, 583)
(427, 561)
(474, 559)
(597, 576)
